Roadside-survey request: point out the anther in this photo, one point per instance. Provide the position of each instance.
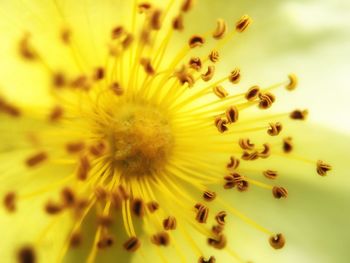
(59, 80)
(219, 242)
(220, 217)
(144, 7)
(277, 241)
(99, 73)
(105, 220)
(26, 255)
(125, 195)
(75, 240)
(80, 82)
(132, 244)
(233, 164)
(221, 124)
(66, 36)
(53, 208)
(196, 41)
(214, 56)
(83, 168)
(243, 23)
(56, 113)
(217, 229)
(147, 66)
(138, 207)
(209, 74)
(25, 48)
(242, 185)
(220, 92)
(127, 41)
(266, 100)
(100, 193)
(220, 29)
(323, 168)
(293, 82)
(98, 148)
(10, 201)
(202, 213)
(187, 5)
(250, 156)
(68, 197)
(299, 114)
(287, 145)
(105, 242)
(178, 23)
(246, 144)
(252, 93)
(156, 19)
(117, 32)
(209, 195)
(235, 76)
(185, 77)
(265, 153)
(274, 129)
(195, 63)
(270, 174)
(75, 147)
(161, 239)
(232, 114)
(279, 192)
(152, 206)
(169, 223)
(9, 109)
(36, 159)
(203, 260)
(117, 89)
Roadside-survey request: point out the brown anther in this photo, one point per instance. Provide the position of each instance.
(246, 144)
(233, 164)
(242, 185)
(293, 82)
(219, 242)
(10, 201)
(235, 76)
(232, 114)
(169, 223)
(220, 92)
(279, 192)
(209, 74)
(161, 239)
(155, 21)
(196, 41)
(220, 217)
(144, 7)
(36, 159)
(178, 23)
(75, 240)
(127, 41)
(83, 168)
(217, 229)
(99, 73)
(26, 255)
(250, 156)
(100, 193)
(75, 147)
(231, 180)
(98, 148)
(195, 63)
(270, 174)
(265, 153)
(152, 206)
(8, 108)
(220, 29)
(138, 207)
(243, 23)
(124, 193)
(25, 48)
(105, 220)
(185, 77)
(221, 124)
(277, 241)
(299, 114)
(117, 89)
(147, 66)
(202, 214)
(56, 113)
(187, 5)
(252, 93)
(323, 168)
(59, 80)
(105, 242)
(274, 129)
(266, 100)
(203, 260)
(117, 32)
(209, 195)
(132, 244)
(116, 199)
(66, 36)
(80, 206)
(287, 144)
(214, 56)
(80, 82)
(53, 208)
(68, 197)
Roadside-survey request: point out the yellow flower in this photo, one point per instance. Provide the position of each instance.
(121, 130)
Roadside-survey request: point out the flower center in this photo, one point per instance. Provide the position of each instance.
(141, 139)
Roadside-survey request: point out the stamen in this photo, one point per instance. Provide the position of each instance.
(25, 49)
(202, 213)
(156, 19)
(293, 82)
(220, 92)
(233, 164)
(287, 145)
(220, 217)
(56, 114)
(277, 241)
(36, 159)
(214, 56)
(209, 74)
(161, 239)
(196, 41)
(246, 144)
(75, 240)
(220, 29)
(235, 76)
(66, 36)
(270, 174)
(274, 129)
(209, 195)
(53, 208)
(138, 207)
(10, 202)
(26, 255)
(105, 242)
(299, 114)
(252, 93)
(117, 89)
(219, 242)
(169, 223)
(68, 197)
(75, 147)
(83, 168)
(187, 5)
(323, 168)
(232, 114)
(147, 66)
(279, 192)
(152, 206)
(210, 260)
(243, 23)
(117, 32)
(195, 63)
(221, 124)
(266, 100)
(99, 73)
(178, 23)
(266, 151)
(132, 244)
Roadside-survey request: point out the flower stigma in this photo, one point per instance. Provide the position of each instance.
(148, 138)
